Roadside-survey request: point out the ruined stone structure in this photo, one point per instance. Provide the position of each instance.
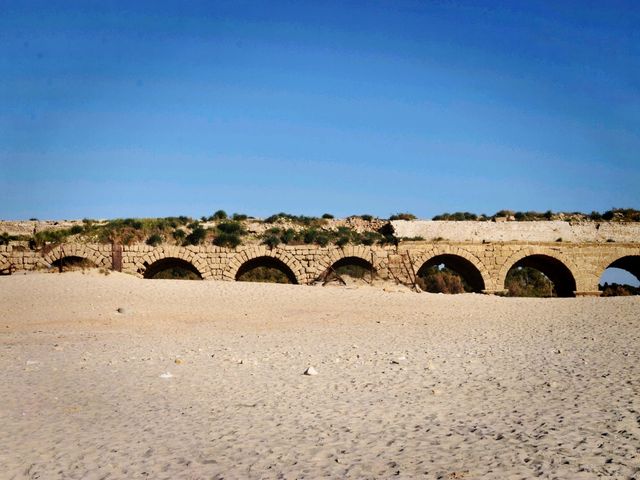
(483, 253)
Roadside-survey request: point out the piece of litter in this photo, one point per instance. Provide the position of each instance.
(311, 371)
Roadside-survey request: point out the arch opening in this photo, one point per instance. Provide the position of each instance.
(621, 277)
(265, 269)
(71, 263)
(449, 273)
(540, 276)
(350, 268)
(172, 268)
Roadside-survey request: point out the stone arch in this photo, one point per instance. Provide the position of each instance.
(261, 255)
(266, 261)
(169, 262)
(179, 255)
(361, 254)
(75, 250)
(464, 262)
(629, 262)
(462, 266)
(560, 269)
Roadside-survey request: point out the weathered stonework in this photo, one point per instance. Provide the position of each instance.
(574, 266)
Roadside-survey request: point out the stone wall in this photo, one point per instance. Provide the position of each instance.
(551, 231)
(584, 262)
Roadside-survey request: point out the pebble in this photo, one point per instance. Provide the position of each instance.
(166, 375)
(311, 371)
(121, 310)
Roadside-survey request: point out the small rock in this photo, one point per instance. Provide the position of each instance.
(121, 310)
(311, 371)
(166, 375)
(178, 361)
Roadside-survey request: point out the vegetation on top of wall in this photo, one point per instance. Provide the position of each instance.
(296, 219)
(615, 215)
(403, 216)
(341, 236)
(229, 234)
(5, 238)
(281, 228)
(459, 216)
(154, 239)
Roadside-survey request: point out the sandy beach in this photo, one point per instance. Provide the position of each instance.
(109, 377)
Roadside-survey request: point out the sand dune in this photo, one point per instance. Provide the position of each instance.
(205, 380)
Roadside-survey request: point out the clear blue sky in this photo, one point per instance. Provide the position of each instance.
(133, 108)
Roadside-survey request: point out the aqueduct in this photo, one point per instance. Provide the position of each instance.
(482, 253)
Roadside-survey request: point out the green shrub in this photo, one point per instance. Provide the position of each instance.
(272, 241)
(5, 238)
(232, 228)
(342, 241)
(154, 240)
(288, 236)
(366, 217)
(618, 290)
(230, 240)
(196, 237)
(403, 216)
(528, 282)
(50, 236)
(239, 217)
(435, 280)
(219, 215)
(299, 219)
(327, 216)
(322, 239)
(369, 238)
(179, 235)
(310, 235)
(76, 229)
(504, 213)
